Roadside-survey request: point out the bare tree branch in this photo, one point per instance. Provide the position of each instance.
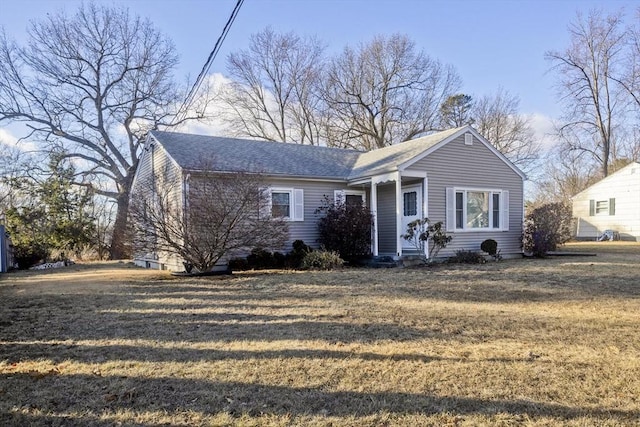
(92, 83)
(274, 93)
(222, 217)
(588, 71)
(384, 92)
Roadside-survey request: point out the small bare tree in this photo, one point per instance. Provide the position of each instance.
(565, 174)
(220, 215)
(498, 119)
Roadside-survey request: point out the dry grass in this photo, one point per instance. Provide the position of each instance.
(524, 342)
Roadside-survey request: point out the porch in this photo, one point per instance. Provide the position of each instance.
(395, 199)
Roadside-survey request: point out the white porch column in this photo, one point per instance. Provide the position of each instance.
(374, 212)
(399, 230)
(425, 209)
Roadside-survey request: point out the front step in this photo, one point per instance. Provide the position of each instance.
(384, 262)
(412, 260)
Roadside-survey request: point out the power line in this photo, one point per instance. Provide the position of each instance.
(182, 111)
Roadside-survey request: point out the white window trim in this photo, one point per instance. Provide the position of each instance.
(341, 195)
(504, 209)
(296, 200)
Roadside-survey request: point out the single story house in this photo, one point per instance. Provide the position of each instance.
(455, 176)
(612, 203)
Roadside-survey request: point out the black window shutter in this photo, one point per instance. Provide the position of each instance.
(592, 207)
(612, 206)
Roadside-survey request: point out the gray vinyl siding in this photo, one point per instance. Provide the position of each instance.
(387, 242)
(167, 176)
(624, 187)
(157, 169)
(472, 166)
(314, 193)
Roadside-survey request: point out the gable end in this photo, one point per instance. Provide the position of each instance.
(464, 131)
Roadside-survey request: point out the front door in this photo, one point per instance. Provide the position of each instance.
(411, 209)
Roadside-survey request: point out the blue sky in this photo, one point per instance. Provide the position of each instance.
(492, 44)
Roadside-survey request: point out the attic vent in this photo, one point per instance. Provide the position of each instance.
(468, 139)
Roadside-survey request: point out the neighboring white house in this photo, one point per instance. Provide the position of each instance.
(612, 203)
(455, 176)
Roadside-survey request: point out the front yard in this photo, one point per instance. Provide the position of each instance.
(522, 342)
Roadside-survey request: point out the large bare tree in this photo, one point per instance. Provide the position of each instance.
(384, 92)
(588, 71)
(92, 83)
(274, 93)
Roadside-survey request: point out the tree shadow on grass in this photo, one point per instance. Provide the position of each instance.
(244, 314)
(58, 353)
(101, 395)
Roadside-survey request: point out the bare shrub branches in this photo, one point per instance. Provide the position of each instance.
(208, 218)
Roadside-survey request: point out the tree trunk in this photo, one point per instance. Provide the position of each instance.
(120, 242)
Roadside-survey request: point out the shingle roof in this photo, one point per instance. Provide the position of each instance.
(193, 152)
(388, 158)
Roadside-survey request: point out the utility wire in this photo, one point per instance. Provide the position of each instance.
(182, 111)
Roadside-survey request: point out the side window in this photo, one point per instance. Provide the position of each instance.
(280, 204)
(353, 200)
(349, 197)
(287, 203)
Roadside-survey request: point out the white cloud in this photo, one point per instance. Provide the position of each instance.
(212, 86)
(543, 129)
(7, 137)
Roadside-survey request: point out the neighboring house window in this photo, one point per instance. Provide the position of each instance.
(476, 210)
(349, 197)
(602, 207)
(287, 203)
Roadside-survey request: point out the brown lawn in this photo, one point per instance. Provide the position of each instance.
(522, 342)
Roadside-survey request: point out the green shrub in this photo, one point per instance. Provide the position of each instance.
(28, 254)
(490, 246)
(297, 254)
(238, 264)
(346, 229)
(322, 260)
(547, 227)
(463, 256)
(261, 259)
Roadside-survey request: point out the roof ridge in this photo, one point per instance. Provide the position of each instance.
(265, 141)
